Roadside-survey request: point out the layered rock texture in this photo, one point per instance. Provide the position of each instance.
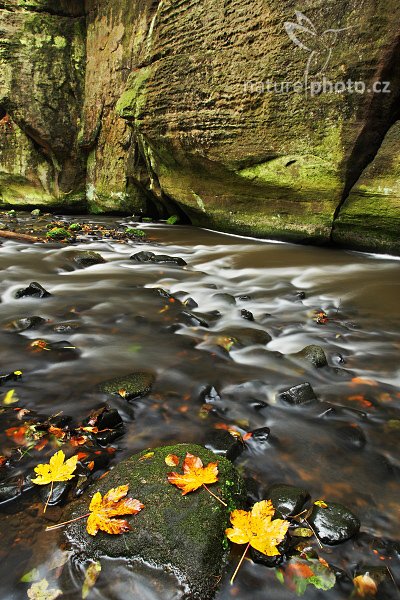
(222, 111)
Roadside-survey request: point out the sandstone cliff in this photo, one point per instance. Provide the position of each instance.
(182, 106)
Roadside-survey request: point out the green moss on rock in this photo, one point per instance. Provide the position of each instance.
(179, 534)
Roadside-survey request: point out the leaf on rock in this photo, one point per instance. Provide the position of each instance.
(321, 504)
(257, 528)
(171, 460)
(113, 504)
(91, 576)
(194, 474)
(40, 591)
(56, 469)
(365, 586)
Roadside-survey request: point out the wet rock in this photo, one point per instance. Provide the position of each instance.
(88, 259)
(244, 298)
(25, 323)
(287, 499)
(301, 295)
(35, 212)
(34, 290)
(334, 524)
(134, 385)
(146, 257)
(260, 436)
(210, 395)
(105, 438)
(190, 303)
(225, 444)
(247, 336)
(9, 491)
(298, 394)
(193, 319)
(270, 561)
(246, 314)
(176, 533)
(313, 354)
(60, 492)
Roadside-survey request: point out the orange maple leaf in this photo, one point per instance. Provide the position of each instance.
(194, 474)
(113, 504)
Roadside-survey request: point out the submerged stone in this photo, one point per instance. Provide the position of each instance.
(34, 290)
(182, 535)
(25, 323)
(88, 258)
(313, 354)
(225, 444)
(334, 524)
(131, 386)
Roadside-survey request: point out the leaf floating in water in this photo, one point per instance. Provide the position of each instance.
(365, 586)
(40, 591)
(32, 575)
(39, 345)
(10, 398)
(91, 576)
(302, 572)
(113, 504)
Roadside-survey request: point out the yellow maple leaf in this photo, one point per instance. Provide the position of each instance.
(365, 585)
(194, 474)
(111, 505)
(56, 469)
(257, 528)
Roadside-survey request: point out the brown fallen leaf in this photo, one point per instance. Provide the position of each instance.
(113, 504)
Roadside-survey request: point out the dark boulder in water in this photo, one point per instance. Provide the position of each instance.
(335, 523)
(88, 259)
(34, 290)
(131, 386)
(298, 394)
(150, 257)
(287, 499)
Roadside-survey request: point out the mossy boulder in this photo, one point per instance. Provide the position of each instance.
(313, 354)
(182, 535)
(131, 386)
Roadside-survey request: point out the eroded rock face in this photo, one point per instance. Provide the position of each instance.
(243, 159)
(192, 108)
(180, 535)
(42, 58)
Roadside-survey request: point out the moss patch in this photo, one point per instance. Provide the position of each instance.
(180, 534)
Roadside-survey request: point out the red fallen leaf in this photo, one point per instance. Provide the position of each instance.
(18, 433)
(91, 465)
(247, 436)
(3, 461)
(111, 450)
(40, 445)
(104, 474)
(361, 400)
(320, 317)
(82, 455)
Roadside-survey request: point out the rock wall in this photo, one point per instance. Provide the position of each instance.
(42, 59)
(221, 111)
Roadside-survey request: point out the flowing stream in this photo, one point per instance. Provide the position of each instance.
(119, 321)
